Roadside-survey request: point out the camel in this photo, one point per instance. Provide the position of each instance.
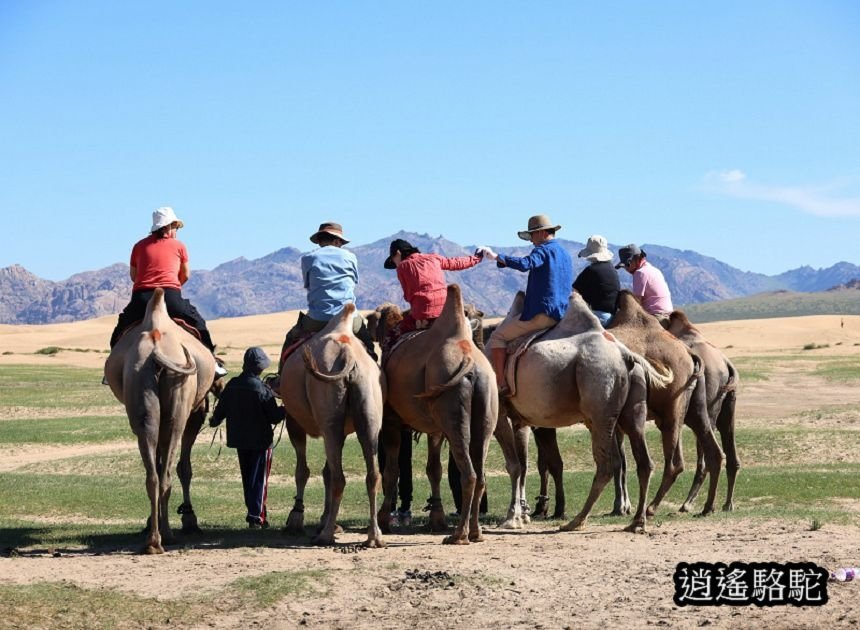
(721, 379)
(576, 373)
(439, 383)
(160, 373)
(330, 387)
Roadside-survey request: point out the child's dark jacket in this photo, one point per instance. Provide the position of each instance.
(250, 409)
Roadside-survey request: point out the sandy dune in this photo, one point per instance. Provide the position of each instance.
(18, 344)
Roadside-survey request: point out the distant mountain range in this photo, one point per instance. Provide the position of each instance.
(273, 283)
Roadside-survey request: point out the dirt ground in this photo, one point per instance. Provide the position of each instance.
(534, 578)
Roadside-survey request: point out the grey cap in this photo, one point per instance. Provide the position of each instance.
(256, 360)
(627, 252)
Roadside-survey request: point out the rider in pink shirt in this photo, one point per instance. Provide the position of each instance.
(649, 285)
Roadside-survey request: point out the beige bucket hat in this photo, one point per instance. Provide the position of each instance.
(596, 249)
(537, 223)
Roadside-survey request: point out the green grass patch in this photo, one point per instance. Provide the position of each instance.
(62, 605)
(76, 430)
(840, 370)
(62, 387)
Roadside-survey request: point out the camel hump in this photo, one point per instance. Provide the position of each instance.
(156, 311)
(452, 322)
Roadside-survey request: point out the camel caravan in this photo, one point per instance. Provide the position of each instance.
(554, 361)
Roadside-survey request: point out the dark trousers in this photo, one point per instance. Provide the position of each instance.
(404, 463)
(457, 489)
(177, 306)
(255, 465)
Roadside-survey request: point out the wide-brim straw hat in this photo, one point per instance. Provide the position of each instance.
(537, 223)
(331, 228)
(163, 217)
(596, 250)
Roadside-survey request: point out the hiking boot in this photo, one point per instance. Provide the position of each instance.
(255, 525)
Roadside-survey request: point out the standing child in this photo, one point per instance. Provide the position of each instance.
(251, 411)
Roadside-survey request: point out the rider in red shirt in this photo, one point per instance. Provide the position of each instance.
(161, 261)
(423, 282)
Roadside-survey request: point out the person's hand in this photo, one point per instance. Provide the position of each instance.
(485, 252)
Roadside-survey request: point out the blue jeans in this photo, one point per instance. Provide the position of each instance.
(604, 317)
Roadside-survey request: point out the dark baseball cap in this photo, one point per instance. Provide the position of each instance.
(399, 245)
(628, 252)
(255, 360)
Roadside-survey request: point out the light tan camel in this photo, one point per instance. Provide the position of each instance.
(330, 387)
(682, 402)
(440, 384)
(161, 373)
(721, 380)
(577, 373)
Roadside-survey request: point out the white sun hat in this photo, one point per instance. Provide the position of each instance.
(163, 217)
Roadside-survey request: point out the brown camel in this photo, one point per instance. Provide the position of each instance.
(161, 373)
(577, 373)
(721, 379)
(439, 383)
(683, 402)
(330, 387)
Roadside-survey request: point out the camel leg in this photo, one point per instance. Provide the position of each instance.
(505, 436)
(185, 473)
(333, 439)
(670, 434)
(621, 505)
(367, 427)
(726, 427)
(698, 420)
(549, 463)
(438, 522)
(469, 484)
(521, 441)
(632, 421)
(296, 520)
(698, 479)
(390, 438)
(605, 452)
(168, 441)
(146, 443)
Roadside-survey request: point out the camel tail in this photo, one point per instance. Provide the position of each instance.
(438, 390)
(312, 367)
(657, 375)
(166, 362)
(731, 384)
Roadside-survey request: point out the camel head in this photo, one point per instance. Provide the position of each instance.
(384, 318)
(679, 323)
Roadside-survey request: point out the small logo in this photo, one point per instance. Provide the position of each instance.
(743, 584)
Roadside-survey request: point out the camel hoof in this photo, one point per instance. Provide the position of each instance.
(635, 528)
(295, 523)
(338, 529)
(705, 512)
(476, 538)
(455, 540)
(374, 543)
(574, 526)
(651, 511)
(729, 507)
(541, 508)
(191, 529)
(684, 508)
(322, 541)
(438, 522)
(512, 523)
(151, 550)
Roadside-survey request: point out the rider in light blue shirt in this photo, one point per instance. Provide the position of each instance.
(330, 274)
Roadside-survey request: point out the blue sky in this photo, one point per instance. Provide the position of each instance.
(728, 128)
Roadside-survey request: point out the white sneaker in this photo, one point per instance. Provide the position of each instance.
(220, 370)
